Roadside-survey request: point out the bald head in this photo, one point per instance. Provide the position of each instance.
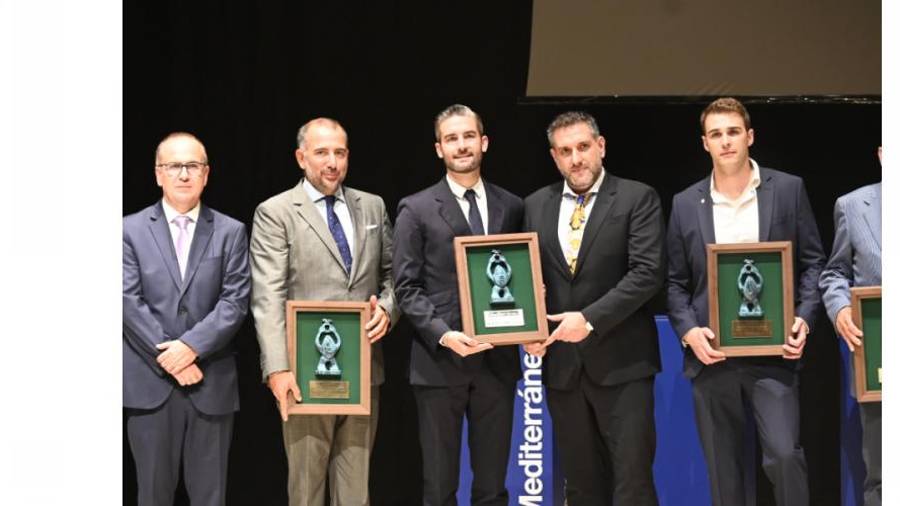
(181, 141)
(323, 122)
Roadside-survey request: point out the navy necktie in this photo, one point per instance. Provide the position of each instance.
(475, 224)
(337, 231)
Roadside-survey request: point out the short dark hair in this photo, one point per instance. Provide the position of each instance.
(456, 110)
(724, 105)
(570, 118)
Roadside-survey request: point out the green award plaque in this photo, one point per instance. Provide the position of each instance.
(751, 287)
(330, 357)
(501, 288)
(865, 303)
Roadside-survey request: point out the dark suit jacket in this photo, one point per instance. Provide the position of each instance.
(620, 268)
(784, 215)
(426, 286)
(204, 310)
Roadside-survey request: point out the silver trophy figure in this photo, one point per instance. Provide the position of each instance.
(328, 342)
(750, 283)
(499, 271)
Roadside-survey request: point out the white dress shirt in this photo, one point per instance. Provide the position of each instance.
(459, 191)
(736, 220)
(567, 207)
(171, 214)
(340, 209)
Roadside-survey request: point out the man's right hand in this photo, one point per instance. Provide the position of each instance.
(462, 344)
(698, 339)
(190, 375)
(843, 322)
(283, 385)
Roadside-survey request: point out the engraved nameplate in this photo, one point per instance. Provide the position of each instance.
(504, 318)
(751, 328)
(329, 389)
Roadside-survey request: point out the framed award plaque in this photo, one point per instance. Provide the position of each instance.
(501, 288)
(751, 297)
(329, 355)
(865, 305)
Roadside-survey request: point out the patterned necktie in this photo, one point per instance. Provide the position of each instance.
(475, 223)
(576, 230)
(337, 231)
(181, 242)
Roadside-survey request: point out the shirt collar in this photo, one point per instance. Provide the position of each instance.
(459, 190)
(718, 198)
(315, 195)
(171, 213)
(568, 192)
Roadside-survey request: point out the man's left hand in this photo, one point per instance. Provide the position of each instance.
(793, 349)
(380, 322)
(175, 356)
(572, 329)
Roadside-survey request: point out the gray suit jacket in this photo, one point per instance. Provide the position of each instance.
(856, 255)
(294, 257)
(204, 310)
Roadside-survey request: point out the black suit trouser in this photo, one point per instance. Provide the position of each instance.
(720, 392)
(487, 404)
(176, 432)
(606, 437)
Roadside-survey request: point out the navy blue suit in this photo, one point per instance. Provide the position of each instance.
(447, 386)
(769, 385)
(204, 310)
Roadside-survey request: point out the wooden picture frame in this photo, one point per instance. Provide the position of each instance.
(346, 396)
(721, 257)
(483, 320)
(858, 297)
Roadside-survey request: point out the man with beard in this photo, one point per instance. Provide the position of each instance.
(741, 202)
(603, 260)
(452, 374)
(321, 240)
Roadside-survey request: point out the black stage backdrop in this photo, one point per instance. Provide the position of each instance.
(243, 76)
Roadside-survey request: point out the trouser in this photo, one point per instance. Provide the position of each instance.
(720, 392)
(606, 437)
(336, 445)
(173, 434)
(487, 404)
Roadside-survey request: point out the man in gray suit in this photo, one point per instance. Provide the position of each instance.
(321, 241)
(856, 261)
(186, 285)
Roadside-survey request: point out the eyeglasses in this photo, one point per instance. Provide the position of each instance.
(174, 169)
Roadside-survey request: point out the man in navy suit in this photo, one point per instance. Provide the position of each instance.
(186, 288)
(856, 261)
(741, 202)
(453, 374)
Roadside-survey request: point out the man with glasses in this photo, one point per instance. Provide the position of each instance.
(186, 288)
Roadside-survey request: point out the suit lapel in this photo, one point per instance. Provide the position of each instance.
(159, 229)
(359, 228)
(705, 213)
(603, 201)
(308, 212)
(450, 211)
(496, 211)
(202, 234)
(549, 228)
(872, 213)
(765, 199)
